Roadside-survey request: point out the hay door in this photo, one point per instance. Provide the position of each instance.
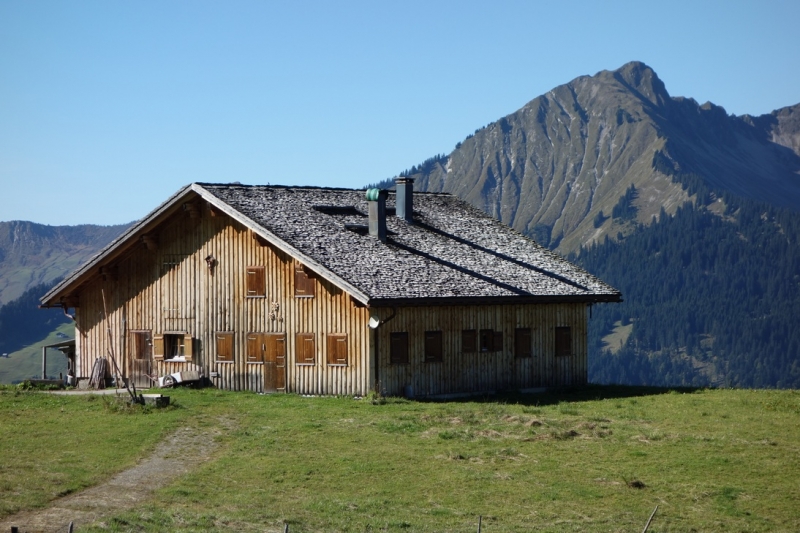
(141, 358)
(275, 362)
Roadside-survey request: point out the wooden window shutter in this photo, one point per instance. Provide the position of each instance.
(256, 282)
(469, 339)
(564, 341)
(398, 349)
(305, 352)
(224, 346)
(254, 348)
(188, 347)
(337, 349)
(158, 347)
(433, 346)
(304, 285)
(487, 340)
(497, 341)
(522, 342)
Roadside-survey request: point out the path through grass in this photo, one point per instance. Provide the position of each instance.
(596, 460)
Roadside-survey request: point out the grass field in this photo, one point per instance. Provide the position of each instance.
(594, 460)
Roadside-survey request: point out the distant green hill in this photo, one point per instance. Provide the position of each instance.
(32, 257)
(32, 253)
(26, 362)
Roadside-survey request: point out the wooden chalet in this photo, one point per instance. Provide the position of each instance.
(331, 291)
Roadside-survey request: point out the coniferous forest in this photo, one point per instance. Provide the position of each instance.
(713, 297)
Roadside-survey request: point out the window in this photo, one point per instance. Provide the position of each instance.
(491, 340)
(176, 346)
(398, 351)
(337, 349)
(256, 347)
(522, 343)
(469, 341)
(256, 282)
(224, 342)
(487, 340)
(563, 341)
(304, 286)
(433, 346)
(304, 349)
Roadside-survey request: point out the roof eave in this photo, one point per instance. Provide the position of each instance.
(495, 300)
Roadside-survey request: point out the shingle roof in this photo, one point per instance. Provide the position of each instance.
(453, 252)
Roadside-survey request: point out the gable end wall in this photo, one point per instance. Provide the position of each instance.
(173, 289)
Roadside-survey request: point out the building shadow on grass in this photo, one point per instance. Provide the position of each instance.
(585, 393)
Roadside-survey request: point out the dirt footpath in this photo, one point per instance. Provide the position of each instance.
(176, 455)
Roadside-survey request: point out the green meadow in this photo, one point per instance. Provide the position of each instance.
(596, 459)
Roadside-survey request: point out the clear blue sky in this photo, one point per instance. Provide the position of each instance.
(108, 107)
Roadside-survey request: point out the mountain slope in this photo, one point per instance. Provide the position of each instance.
(31, 254)
(692, 213)
(557, 167)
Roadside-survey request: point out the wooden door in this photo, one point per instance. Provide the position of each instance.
(141, 358)
(274, 361)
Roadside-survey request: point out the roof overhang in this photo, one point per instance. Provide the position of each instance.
(496, 300)
(58, 296)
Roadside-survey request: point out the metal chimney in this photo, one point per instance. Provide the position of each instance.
(377, 213)
(404, 199)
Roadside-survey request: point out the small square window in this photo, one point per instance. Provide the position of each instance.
(337, 349)
(563, 341)
(433, 347)
(398, 351)
(469, 341)
(256, 282)
(224, 342)
(522, 343)
(173, 347)
(304, 285)
(305, 349)
(487, 340)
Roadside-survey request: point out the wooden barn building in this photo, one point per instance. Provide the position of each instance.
(331, 291)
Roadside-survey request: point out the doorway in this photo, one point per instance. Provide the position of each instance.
(141, 350)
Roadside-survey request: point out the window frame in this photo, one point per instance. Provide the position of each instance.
(469, 341)
(225, 336)
(398, 348)
(523, 343)
(434, 346)
(336, 343)
(304, 282)
(173, 346)
(301, 355)
(255, 282)
(563, 341)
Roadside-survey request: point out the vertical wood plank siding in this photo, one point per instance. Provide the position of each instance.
(483, 371)
(172, 289)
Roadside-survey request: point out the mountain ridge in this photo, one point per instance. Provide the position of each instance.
(32, 253)
(551, 167)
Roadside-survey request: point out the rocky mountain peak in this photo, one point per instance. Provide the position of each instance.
(643, 82)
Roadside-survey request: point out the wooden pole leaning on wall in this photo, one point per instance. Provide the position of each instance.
(134, 397)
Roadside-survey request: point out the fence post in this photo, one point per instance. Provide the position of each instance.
(480, 520)
(70, 527)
